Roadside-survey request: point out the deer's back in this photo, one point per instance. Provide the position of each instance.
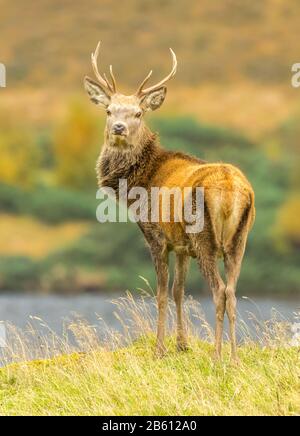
(178, 170)
(227, 194)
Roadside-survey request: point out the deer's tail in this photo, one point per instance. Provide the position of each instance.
(230, 211)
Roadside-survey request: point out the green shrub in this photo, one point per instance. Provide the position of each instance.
(118, 249)
(51, 205)
(195, 134)
(19, 273)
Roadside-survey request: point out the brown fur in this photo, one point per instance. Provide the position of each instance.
(229, 209)
(229, 215)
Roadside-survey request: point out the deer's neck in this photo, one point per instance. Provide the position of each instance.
(137, 164)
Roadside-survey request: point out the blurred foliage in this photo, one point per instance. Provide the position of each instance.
(76, 145)
(19, 273)
(285, 140)
(113, 255)
(234, 70)
(26, 235)
(186, 130)
(19, 154)
(287, 228)
(234, 58)
(48, 204)
(216, 41)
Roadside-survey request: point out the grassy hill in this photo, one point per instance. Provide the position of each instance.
(50, 41)
(130, 381)
(234, 57)
(96, 370)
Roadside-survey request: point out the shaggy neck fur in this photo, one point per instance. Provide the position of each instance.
(135, 163)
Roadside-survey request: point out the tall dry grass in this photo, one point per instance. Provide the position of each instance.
(96, 370)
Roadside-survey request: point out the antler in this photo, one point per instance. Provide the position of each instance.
(140, 92)
(112, 88)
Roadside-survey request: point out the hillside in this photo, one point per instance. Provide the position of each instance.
(231, 101)
(234, 57)
(50, 40)
(130, 381)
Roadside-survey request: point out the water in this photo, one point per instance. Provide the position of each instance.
(55, 310)
(35, 315)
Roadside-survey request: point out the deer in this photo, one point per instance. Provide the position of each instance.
(133, 152)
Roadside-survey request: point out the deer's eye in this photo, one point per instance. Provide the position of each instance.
(108, 112)
(138, 114)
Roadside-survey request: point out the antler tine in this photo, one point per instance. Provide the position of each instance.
(142, 91)
(102, 80)
(108, 84)
(143, 83)
(114, 83)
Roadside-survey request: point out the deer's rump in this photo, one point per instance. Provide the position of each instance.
(228, 210)
(228, 200)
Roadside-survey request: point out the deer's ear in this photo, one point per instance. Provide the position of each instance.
(96, 93)
(154, 99)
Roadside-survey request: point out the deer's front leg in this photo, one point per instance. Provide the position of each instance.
(160, 257)
(162, 271)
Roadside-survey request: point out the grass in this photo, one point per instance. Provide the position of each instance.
(119, 375)
(130, 381)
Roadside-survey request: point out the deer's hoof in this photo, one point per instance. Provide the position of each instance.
(182, 345)
(160, 351)
(235, 361)
(216, 357)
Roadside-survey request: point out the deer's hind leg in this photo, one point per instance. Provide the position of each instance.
(233, 256)
(207, 258)
(209, 267)
(181, 268)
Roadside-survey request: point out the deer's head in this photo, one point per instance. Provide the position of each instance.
(125, 113)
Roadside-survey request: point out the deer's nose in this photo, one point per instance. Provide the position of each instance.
(118, 128)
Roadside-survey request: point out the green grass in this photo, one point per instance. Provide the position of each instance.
(119, 374)
(130, 381)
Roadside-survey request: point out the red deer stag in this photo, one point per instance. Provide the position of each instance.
(132, 152)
